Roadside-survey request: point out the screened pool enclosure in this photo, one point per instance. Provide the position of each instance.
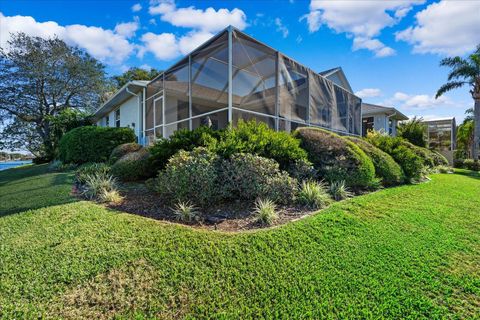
(232, 77)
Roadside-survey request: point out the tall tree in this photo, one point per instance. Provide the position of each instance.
(466, 72)
(40, 78)
(134, 74)
(465, 135)
(414, 130)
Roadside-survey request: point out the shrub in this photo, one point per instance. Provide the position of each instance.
(471, 164)
(133, 166)
(184, 139)
(257, 138)
(110, 196)
(439, 159)
(248, 137)
(414, 131)
(444, 169)
(88, 169)
(339, 191)
(385, 167)
(97, 184)
(190, 176)
(185, 211)
(313, 194)
(265, 211)
(337, 158)
(246, 176)
(59, 166)
(411, 163)
(123, 149)
(92, 144)
(302, 170)
(425, 154)
(458, 163)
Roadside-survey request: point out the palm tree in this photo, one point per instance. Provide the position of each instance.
(466, 72)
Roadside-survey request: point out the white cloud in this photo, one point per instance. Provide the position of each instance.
(419, 101)
(164, 46)
(208, 20)
(192, 40)
(136, 7)
(445, 27)
(281, 28)
(152, 21)
(369, 93)
(127, 29)
(361, 20)
(103, 44)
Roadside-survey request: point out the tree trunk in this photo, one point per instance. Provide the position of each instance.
(476, 130)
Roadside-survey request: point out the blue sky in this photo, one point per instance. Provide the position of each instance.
(389, 50)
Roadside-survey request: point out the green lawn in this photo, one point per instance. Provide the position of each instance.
(406, 252)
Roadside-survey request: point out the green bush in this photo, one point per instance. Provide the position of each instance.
(133, 166)
(398, 148)
(190, 176)
(89, 169)
(439, 159)
(123, 149)
(246, 176)
(248, 137)
(425, 154)
(92, 144)
(302, 170)
(257, 138)
(184, 139)
(459, 163)
(471, 164)
(337, 158)
(385, 167)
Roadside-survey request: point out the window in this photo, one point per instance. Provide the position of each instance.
(367, 125)
(107, 121)
(117, 118)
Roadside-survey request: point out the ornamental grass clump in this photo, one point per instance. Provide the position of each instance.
(110, 196)
(313, 194)
(96, 184)
(90, 169)
(265, 211)
(185, 211)
(339, 191)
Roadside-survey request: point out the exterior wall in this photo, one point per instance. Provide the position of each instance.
(235, 77)
(381, 123)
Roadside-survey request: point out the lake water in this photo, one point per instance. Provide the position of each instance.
(12, 164)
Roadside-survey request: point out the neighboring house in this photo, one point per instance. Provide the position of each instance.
(442, 136)
(231, 77)
(379, 118)
(124, 108)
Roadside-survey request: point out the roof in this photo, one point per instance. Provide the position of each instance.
(440, 119)
(331, 74)
(120, 96)
(370, 109)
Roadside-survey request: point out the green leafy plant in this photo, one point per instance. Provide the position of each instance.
(133, 166)
(88, 169)
(247, 176)
(190, 176)
(414, 131)
(339, 191)
(185, 211)
(313, 194)
(92, 144)
(265, 211)
(122, 150)
(97, 184)
(444, 169)
(471, 164)
(386, 168)
(303, 169)
(337, 158)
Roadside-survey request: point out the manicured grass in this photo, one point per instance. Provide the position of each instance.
(407, 252)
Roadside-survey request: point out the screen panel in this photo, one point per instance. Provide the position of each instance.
(293, 90)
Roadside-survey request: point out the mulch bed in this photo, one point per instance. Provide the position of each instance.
(234, 216)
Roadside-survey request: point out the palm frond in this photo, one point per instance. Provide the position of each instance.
(468, 72)
(455, 62)
(449, 86)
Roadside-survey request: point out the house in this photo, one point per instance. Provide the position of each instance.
(231, 77)
(124, 108)
(442, 136)
(380, 118)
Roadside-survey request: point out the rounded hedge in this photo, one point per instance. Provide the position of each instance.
(337, 158)
(385, 167)
(399, 149)
(133, 166)
(123, 149)
(92, 144)
(439, 159)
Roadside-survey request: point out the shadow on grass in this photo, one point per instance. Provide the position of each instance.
(33, 187)
(468, 173)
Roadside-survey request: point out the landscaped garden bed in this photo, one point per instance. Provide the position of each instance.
(240, 178)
